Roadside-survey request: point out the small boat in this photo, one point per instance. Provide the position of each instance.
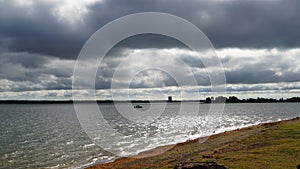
(138, 106)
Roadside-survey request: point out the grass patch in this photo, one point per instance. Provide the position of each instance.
(275, 146)
(278, 147)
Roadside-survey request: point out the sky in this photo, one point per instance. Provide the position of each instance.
(258, 43)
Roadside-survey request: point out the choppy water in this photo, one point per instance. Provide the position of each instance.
(49, 135)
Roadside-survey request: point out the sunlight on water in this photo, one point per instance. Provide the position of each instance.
(35, 136)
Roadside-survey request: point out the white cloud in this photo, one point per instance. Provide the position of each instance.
(66, 11)
(72, 11)
(250, 72)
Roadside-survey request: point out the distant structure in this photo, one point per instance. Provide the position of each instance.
(170, 99)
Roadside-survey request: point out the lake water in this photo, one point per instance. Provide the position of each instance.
(50, 135)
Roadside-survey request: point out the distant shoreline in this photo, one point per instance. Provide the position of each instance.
(220, 99)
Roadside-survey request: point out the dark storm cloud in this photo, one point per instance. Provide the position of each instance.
(35, 29)
(192, 61)
(36, 44)
(230, 23)
(26, 72)
(251, 76)
(30, 67)
(226, 23)
(26, 60)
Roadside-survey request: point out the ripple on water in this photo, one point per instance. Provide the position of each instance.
(36, 136)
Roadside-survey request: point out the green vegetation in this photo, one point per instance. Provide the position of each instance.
(274, 148)
(272, 145)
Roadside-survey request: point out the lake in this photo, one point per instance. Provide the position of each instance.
(50, 135)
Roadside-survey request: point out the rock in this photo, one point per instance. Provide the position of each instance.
(206, 156)
(199, 165)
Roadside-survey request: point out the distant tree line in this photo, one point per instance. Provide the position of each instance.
(234, 99)
(219, 99)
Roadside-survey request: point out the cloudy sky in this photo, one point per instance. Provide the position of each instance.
(258, 43)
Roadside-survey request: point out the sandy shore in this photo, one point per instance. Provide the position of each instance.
(269, 145)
